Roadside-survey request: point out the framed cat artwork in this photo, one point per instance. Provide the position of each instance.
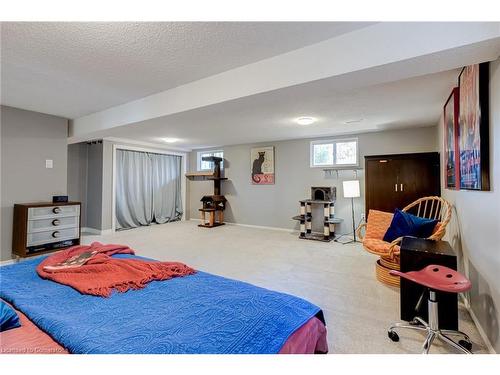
(262, 165)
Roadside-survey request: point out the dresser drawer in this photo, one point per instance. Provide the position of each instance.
(38, 238)
(53, 212)
(58, 223)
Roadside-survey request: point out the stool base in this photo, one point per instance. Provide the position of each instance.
(420, 325)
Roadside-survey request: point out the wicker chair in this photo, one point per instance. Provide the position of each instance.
(427, 207)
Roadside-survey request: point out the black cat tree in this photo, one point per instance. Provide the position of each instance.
(214, 205)
(326, 197)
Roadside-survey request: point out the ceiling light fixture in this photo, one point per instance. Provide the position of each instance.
(305, 120)
(169, 140)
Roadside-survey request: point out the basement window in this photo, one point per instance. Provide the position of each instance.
(331, 153)
(206, 165)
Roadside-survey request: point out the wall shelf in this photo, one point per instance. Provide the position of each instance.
(331, 172)
(204, 175)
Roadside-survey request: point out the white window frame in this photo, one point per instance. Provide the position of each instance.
(199, 156)
(334, 142)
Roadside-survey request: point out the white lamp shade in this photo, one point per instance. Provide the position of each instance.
(351, 189)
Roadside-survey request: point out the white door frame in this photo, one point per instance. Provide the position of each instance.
(156, 151)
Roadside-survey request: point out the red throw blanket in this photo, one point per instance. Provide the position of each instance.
(101, 274)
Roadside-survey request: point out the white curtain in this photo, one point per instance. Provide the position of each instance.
(148, 188)
(167, 197)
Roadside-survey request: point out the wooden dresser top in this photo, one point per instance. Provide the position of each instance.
(46, 204)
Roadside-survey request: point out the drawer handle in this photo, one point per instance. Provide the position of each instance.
(56, 222)
(56, 210)
(56, 234)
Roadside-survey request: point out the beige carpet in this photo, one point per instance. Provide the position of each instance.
(338, 278)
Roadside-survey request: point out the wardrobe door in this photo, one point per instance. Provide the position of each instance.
(419, 177)
(381, 184)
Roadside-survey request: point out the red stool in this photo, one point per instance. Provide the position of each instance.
(435, 278)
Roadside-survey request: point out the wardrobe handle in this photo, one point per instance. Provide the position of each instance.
(400, 187)
(395, 187)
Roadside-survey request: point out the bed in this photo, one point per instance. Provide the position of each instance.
(200, 313)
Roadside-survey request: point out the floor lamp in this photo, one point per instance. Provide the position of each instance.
(351, 190)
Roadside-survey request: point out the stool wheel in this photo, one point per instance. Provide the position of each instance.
(466, 344)
(393, 336)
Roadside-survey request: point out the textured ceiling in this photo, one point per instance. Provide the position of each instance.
(270, 116)
(72, 69)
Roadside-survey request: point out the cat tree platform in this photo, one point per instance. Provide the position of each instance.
(324, 196)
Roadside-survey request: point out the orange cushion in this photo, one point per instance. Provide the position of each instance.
(379, 247)
(377, 224)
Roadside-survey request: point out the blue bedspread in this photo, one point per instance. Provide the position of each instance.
(201, 313)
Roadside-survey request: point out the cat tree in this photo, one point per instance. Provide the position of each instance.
(213, 206)
(326, 197)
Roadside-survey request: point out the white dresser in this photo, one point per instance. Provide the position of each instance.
(43, 227)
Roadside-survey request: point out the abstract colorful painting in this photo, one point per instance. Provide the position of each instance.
(473, 127)
(262, 164)
(452, 164)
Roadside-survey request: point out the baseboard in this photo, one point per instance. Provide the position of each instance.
(264, 227)
(480, 329)
(91, 230)
(7, 262)
(258, 226)
(96, 232)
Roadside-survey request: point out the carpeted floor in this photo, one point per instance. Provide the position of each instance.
(338, 278)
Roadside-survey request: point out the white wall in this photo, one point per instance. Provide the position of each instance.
(475, 229)
(274, 205)
(27, 140)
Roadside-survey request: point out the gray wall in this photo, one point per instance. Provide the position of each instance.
(94, 186)
(85, 180)
(88, 181)
(77, 176)
(474, 230)
(107, 187)
(274, 205)
(27, 140)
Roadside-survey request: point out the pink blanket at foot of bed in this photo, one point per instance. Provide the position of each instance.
(28, 339)
(308, 339)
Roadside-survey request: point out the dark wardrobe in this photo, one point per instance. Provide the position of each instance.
(394, 181)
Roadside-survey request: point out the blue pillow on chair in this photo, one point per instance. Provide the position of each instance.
(8, 317)
(405, 224)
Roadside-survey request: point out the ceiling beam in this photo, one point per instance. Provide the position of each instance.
(359, 51)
